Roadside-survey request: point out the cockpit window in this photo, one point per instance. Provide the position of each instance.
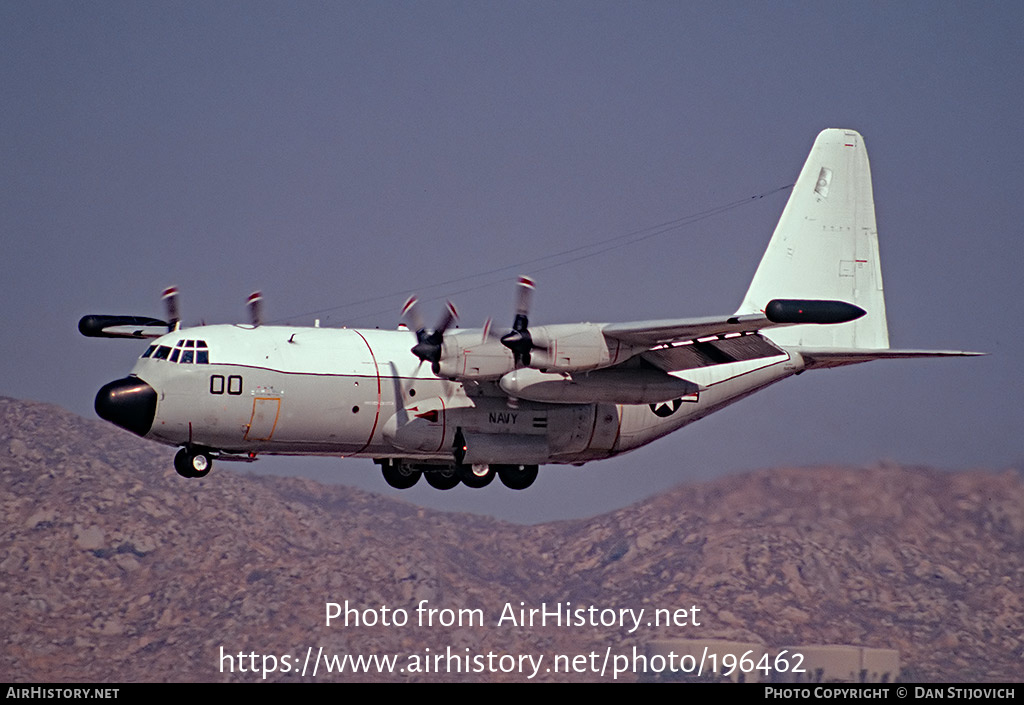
(185, 352)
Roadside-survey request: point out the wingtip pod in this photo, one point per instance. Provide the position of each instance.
(136, 327)
(103, 326)
(805, 311)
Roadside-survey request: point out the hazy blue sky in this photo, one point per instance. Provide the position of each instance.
(329, 153)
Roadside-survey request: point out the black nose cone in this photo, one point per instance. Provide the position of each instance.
(129, 402)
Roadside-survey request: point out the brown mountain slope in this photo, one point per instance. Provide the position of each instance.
(116, 569)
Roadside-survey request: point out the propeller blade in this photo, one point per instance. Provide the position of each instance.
(525, 295)
(487, 331)
(449, 316)
(170, 297)
(411, 313)
(255, 305)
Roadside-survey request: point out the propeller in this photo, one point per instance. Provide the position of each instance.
(170, 297)
(255, 306)
(519, 340)
(429, 344)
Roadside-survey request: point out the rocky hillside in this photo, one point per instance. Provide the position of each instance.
(115, 569)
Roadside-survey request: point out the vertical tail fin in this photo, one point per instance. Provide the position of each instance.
(826, 247)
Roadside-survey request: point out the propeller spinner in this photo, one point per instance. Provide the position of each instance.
(429, 344)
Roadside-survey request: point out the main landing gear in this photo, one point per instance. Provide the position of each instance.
(398, 474)
(193, 463)
(475, 476)
(442, 479)
(402, 475)
(517, 477)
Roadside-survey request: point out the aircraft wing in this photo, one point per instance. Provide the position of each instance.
(663, 332)
(697, 342)
(686, 343)
(777, 312)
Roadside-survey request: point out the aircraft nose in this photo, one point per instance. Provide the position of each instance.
(128, 402)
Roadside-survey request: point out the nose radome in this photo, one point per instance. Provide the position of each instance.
(128, 402)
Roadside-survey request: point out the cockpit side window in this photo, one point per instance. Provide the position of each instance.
(162, 353)
(149, 351)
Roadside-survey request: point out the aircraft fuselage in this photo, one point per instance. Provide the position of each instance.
(360, 393)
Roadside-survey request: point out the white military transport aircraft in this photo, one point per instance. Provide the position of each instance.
(488, 405)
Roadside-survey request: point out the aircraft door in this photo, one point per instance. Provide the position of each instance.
(265, 412)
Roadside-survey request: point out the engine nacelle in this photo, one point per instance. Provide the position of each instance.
(576, 347)
(465, 356)
(639, 385)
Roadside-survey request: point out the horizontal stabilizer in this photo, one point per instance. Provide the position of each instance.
(837, 357)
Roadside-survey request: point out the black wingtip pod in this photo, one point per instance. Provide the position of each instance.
(811, 311)
(100, 326)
